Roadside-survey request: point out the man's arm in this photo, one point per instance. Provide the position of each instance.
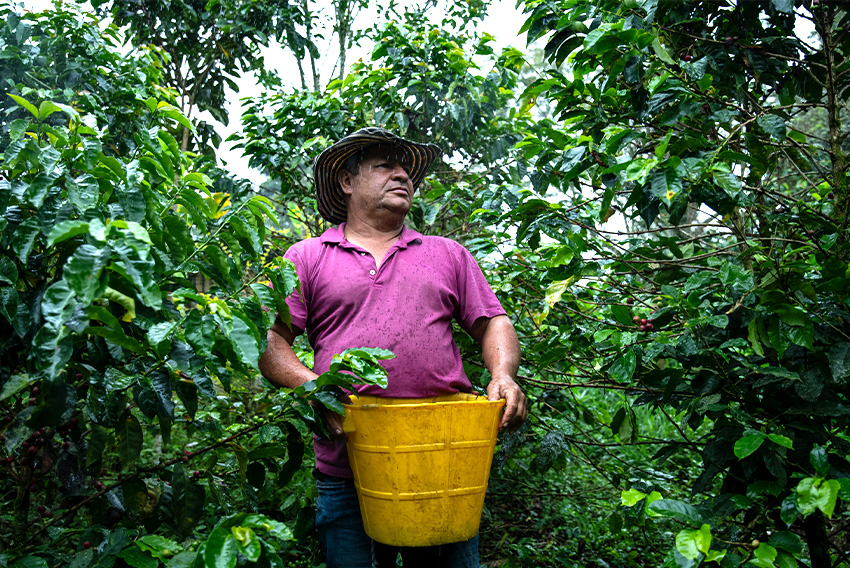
(279, 364)
(282, 367)
(500, 349)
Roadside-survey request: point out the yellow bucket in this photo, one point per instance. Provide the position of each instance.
(421, 465)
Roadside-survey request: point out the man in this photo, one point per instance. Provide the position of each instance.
(372, 282)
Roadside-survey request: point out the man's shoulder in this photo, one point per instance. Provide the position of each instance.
(304, 250)
(435, 242)
(438, 241)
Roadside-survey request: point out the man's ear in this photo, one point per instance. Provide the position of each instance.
(344, 178)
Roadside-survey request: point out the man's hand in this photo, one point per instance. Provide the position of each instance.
(500, 350)
(281, 367)
(332, 420)
(516, 407)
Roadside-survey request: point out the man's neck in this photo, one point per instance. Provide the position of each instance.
(376, 231)
(376, 238)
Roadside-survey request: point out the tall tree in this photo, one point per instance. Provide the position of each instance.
(208, 44)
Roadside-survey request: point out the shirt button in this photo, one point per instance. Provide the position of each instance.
(372, 272)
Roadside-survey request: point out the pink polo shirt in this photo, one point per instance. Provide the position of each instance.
(406, 305)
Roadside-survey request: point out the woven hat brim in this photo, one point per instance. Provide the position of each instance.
(329, 196)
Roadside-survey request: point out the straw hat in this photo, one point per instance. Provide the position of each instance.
(329, 195)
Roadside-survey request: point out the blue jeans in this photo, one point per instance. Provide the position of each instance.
(346, 544)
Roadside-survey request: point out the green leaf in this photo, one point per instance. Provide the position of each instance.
(128, 434)
(690, 543)
(200, 332)
(135, 493)
(17, 128)
(57, 304)
(30, 562)
(126, 302)
(137, 558)
(753, 337)
(82, 271)
(184, 559)
(67, 230)
(24, 237)
(765, 552)
(26, 104)
(159, 336)
(139, 267)
(677, 510)
(83, 192)
(14, 384)
(780, 441)
(624, 424)
(130, 196)
(661, 52)
(187, 501)
(787, 541)
(623, 368)
(819, 458)
(806, 494)
(773, 125)
(9, 306)
(839, 361)
(630, 497)
(828, 496)
(83, 559)
(96, 442)
(622, 315)
(159, 546)
(330, 401)
(221, 549)
(8, 271)
(244, 336)
(748, 444)
(91, 152)
(247, 542)
(174, 114)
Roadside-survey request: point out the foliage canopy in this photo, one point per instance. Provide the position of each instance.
(660, 200)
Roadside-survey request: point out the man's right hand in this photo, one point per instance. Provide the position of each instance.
(332, 420)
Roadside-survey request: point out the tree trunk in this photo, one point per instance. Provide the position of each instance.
(817, 539)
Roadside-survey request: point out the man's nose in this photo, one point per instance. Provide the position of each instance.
(399, 173)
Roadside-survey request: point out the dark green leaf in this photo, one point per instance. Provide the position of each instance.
(622, 315)
(128, 433)
(8, 271)
(819, 459)
(678, 510)
(83, 192)
(221, 549)
(624, 367)
(24, 238)
(135, 494)
(839, 361)
(139, 267)
(82, 271)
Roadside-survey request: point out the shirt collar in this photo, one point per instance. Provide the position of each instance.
(336, 236)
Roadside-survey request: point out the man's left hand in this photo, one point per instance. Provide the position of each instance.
(516, 406)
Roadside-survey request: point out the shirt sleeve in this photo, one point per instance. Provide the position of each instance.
(476, 298)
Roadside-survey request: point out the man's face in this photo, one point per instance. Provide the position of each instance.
(383, 183)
